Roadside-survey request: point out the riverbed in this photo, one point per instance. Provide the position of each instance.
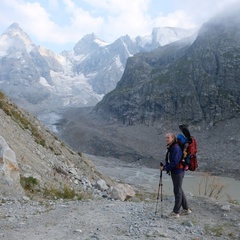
(148, 179)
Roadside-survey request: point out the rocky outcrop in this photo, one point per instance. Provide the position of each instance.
(9, 172)
(122, 192)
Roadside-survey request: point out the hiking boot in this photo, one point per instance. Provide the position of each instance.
(174, 215)
(186, 211)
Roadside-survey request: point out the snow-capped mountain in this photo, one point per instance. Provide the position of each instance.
(38, 79)
(163, 36)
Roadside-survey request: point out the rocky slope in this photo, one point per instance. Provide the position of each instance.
(45, 164)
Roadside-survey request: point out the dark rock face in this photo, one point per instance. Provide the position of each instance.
(192, 81)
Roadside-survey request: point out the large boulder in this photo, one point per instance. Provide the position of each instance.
(9, 172)
(122, 192)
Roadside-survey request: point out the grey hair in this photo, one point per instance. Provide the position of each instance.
(172, 135)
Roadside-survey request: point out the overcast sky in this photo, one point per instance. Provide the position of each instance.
(60, 24)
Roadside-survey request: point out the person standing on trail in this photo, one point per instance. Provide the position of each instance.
(174, 167)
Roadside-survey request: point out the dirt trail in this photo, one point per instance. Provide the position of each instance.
(104, 219)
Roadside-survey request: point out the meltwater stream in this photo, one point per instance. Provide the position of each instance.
(148, 179)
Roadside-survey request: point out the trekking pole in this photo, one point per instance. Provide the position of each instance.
(159, 187)
(161, 192)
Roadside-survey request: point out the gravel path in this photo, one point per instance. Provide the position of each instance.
(106, 219)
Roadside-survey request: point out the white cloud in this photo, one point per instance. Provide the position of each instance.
(118, 7)
(201, 11)
(81, 22)
(128, 17)
(121, 18)
(62, 22)
(53, 3)
(175, 19)
(30, 16)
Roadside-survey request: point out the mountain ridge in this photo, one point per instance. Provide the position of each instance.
(89, 71)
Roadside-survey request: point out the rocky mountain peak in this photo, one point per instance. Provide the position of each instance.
(89, 43)
(162, 36)
(15, 32)
(125, 38)
(166, 35)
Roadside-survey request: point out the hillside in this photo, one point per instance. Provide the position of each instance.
(45, 163)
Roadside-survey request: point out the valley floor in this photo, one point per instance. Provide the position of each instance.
(86, 132)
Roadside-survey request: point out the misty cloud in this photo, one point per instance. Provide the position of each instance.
(107, 19)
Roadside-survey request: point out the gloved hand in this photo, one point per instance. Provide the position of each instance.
(184, 154)
(161, 166)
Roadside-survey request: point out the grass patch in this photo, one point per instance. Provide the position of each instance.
(65, 193)
(222, 231)
(29, 183)
(146, 196)
(214, 230)
(16, 115)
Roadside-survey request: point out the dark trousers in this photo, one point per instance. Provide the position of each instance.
(180, 198)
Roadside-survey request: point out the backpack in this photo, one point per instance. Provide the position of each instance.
(189, 146)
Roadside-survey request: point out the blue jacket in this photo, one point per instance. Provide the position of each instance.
(173, 158)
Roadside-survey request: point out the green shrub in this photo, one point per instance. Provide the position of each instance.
(29, 183)
(66, 193)
(16, 115)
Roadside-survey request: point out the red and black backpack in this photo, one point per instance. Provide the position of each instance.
(191, 158)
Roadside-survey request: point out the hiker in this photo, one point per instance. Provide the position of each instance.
(174, 167)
